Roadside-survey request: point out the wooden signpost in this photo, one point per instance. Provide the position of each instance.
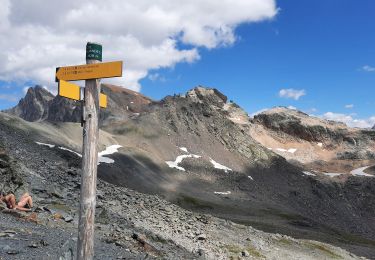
(91, 73)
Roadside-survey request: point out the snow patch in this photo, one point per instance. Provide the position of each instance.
(179, 159)
(331, 174)
(44, 144)
(108, 151)
(269, 148)
(309, 173)
(222, 192)
(291, 150)
(183, 149)
(251, 178)
(66, 149)
(220, 166)
(320, 144)
(360, 172)
(101, 155)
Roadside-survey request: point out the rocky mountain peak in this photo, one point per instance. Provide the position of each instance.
(207, 95)
(373, 127)
(34, 106)
(40, 104)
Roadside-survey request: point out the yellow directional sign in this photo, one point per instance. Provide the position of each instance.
(103, 100)
(69, 90)
(90, 71)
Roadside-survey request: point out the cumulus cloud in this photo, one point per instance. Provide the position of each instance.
(259, 112)
(292, 93)
(368, 68)
(349, 120)
(39, 35)
(156, 77)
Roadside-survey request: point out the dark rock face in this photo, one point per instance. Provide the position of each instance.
(64, 110)
(34, 106)
(39, 104)
(373, 127)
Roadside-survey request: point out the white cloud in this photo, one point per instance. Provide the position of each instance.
(292, 93)
(349, 106)
(156, 77)
(258, 112)
(39, 35)
(349, 120)
(368, 68)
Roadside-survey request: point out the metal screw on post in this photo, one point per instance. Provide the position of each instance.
(85, 244)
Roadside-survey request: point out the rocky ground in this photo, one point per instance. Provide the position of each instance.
(129, 225)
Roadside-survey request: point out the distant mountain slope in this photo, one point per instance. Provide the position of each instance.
(34, 106)
(39, 104)
(319, 144)
(202, 152)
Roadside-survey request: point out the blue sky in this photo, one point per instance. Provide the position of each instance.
(322, 50)
(319, 46)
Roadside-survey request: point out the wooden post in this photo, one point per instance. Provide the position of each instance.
(85, 243)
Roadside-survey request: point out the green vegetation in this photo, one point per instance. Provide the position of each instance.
(324, 249)
(285, 241)
(283, 215)
(234, 249)
(253, 252)
(133, 129)
(184, 200)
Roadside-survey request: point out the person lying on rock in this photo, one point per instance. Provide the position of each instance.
(25, 202)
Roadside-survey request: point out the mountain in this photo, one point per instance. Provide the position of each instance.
(39, 105)
(34, 106)
(319, 145)
(373, 127)
(203, 153)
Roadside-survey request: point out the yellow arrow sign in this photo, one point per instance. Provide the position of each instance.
(73, 91)
(90, 71)
(69, 90)
(103, 100)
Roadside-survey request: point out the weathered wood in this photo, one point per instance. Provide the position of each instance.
(85, 244)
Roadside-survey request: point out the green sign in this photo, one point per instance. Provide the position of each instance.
(93, 51)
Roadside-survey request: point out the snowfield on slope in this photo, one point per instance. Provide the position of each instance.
(179, 159)
(175, 164)
(219, 166)
(101, 155)
(222, 192)
(360, 172)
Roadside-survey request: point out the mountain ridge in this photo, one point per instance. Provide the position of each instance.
(204, 154)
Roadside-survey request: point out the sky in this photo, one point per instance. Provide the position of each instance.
(316, 56)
